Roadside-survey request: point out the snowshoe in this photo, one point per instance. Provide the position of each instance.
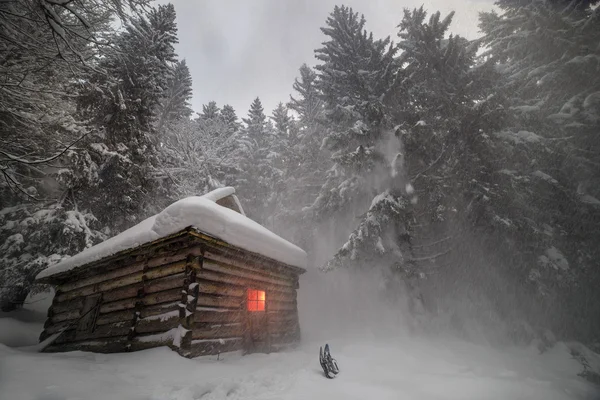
(328, 363)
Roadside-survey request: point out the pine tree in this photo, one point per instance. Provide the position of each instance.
(230, 117)
(121, 106)
(174, 104)
(260, 176)
(210, 111)
(281, 120)
(545, 51)
(355, 75)
(308, 104)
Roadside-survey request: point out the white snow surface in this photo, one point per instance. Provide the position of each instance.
(202, 213)
(396, 369)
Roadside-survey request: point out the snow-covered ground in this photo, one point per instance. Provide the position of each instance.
(406, 369)
(372, 366)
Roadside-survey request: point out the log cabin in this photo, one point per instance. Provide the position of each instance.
(199, 277)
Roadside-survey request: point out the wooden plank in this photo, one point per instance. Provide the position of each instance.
(218, 316)
(105, 331)
(165, 283)
(159, 309)
(127, 280)
(153, 324)
(285, 297)
(207, 331)
(178, 240)
(262, 268)
(119, 305)
(101, 277)
(241, 282)
(122, 293)
(281, 306)
(229, 250)
(175, 256)
(66, 316)
(118, 316)
(89, 313)
(162, 297)
(283, 316)
(75, 304)
(212, 347)
(238, 272)
(208, 287)
(153, 340)
(220, 301)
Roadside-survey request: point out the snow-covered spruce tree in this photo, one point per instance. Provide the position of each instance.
(305, 162)
(210, 111)
(444, 112)
(355, 73)
(230, 117)
(546, 52)
(175, 102)
(120, 105)
(259, 176)
(47, 47)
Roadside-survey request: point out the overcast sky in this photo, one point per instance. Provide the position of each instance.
(239, 49)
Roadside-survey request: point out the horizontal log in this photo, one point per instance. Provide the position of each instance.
(165, 283)
(104, 331)
(208, 331)
(71, 305)
(151, 324)
(281, 306)
(126, 280)
(212, 347)
(218, 246)
(261, 268)
(106, 345)
(239, 272)
(118, 316)
(278, 296)
(150, 299)
(119, 305)
(209, 287)
(240, 282)
(220, 301)
(122, 293)
(159, 309)
(66, 316)
(282, 316)
(221, 317)
(167, 245)
(174, 256)
(100, 277)
(157, 339)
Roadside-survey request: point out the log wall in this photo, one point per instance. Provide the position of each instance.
(188, 293)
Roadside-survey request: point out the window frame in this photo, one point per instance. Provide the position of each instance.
(256, 300)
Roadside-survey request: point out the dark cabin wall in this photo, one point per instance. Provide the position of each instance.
(139, 300)
(221, 321)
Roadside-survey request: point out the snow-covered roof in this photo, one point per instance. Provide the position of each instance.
(202, 213)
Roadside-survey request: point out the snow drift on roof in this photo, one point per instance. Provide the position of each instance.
(202, 213)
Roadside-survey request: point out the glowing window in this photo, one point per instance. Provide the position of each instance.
(256, 300)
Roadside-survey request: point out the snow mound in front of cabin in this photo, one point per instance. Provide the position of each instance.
(202, 213)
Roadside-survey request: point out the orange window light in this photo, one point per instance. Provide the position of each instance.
(256, 300)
